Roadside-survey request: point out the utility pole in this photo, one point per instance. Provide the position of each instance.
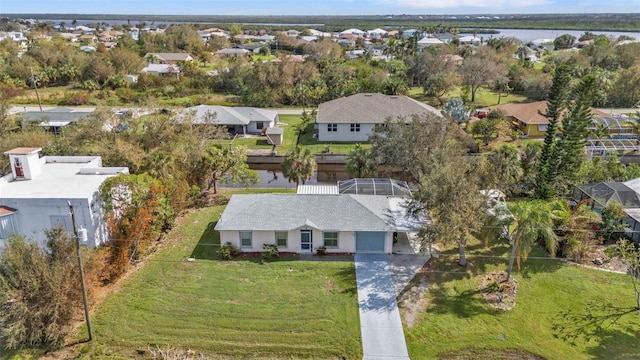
(84, 290)
(35, 85)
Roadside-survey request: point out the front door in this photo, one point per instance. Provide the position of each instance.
(306, 242)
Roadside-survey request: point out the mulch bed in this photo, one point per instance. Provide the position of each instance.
(497, 292)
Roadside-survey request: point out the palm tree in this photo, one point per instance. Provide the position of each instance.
(360, 163)
(534, 221)
(299, 165)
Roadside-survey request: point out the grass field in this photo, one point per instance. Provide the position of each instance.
(280, 309)
(484, 97)
(562, 312)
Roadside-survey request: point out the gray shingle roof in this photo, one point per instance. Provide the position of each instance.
(54, 115)
(272, 212)
(231, 115)
(370, 109)
(171, 56)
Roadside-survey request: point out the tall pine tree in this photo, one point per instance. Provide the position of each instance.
(574, 134)
(558, 98)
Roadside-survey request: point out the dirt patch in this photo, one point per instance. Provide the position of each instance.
(331, 287)
(413, 300)
(499, 293)
(597, 259)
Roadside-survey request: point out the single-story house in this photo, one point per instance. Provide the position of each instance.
(162, 69)
(357, 32)
(377, 33)
(445, 37)
(342, 223)
(36, 194)
(239, 120)
(354, 117)
(167, 58)
(456, 59)
(429, 41)
(527, 118)
(470, 40)
(232, 52)
(55, 119)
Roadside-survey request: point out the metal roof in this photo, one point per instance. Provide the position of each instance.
(284, 212)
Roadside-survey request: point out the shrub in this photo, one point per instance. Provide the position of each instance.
(228, 251)
(270, 251)
(39, 291)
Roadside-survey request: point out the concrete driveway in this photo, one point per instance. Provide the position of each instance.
(380, 324)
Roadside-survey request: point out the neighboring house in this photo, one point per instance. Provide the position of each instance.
(265, 38)
(292, 33)
(162, 69)
(445, 37)
(88, 38)
(429, 41)
(456, 59)
(16, 36)
(239, 120)
(353, 118)
(55, 119)
(377, 33)
(357, 32)
(527, 117)
(35, 196)
(301, 223)
(470, 40)
(625, 193)
(167, 58)
(232, 52)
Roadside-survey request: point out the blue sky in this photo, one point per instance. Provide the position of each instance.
(317, 7)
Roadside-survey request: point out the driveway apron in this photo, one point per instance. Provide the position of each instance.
(380, 324)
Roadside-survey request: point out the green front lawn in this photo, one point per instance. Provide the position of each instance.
(562, 312)
(278, 310)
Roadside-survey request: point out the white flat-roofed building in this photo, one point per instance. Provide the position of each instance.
(36, 194)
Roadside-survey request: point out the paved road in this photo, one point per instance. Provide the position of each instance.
(380, 324)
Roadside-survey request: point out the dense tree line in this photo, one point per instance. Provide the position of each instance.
(327, 73)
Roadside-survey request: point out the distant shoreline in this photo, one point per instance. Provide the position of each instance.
(622, 22)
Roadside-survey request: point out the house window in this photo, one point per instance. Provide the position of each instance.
(542, 127)
(355, 127)
(332, 127)
(330, 239)
(259, 125)
(281, 239)
(245, 239)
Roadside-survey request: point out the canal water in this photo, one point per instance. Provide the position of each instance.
(327, 174)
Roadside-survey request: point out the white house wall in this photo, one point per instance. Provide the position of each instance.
(252, 128)
(33, 217)
(346, 240)
(344, 133)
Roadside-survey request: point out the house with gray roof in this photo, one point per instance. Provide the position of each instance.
(300, 223)
(168, 58)
(239, 120)
(56, 118)
(353, 118)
